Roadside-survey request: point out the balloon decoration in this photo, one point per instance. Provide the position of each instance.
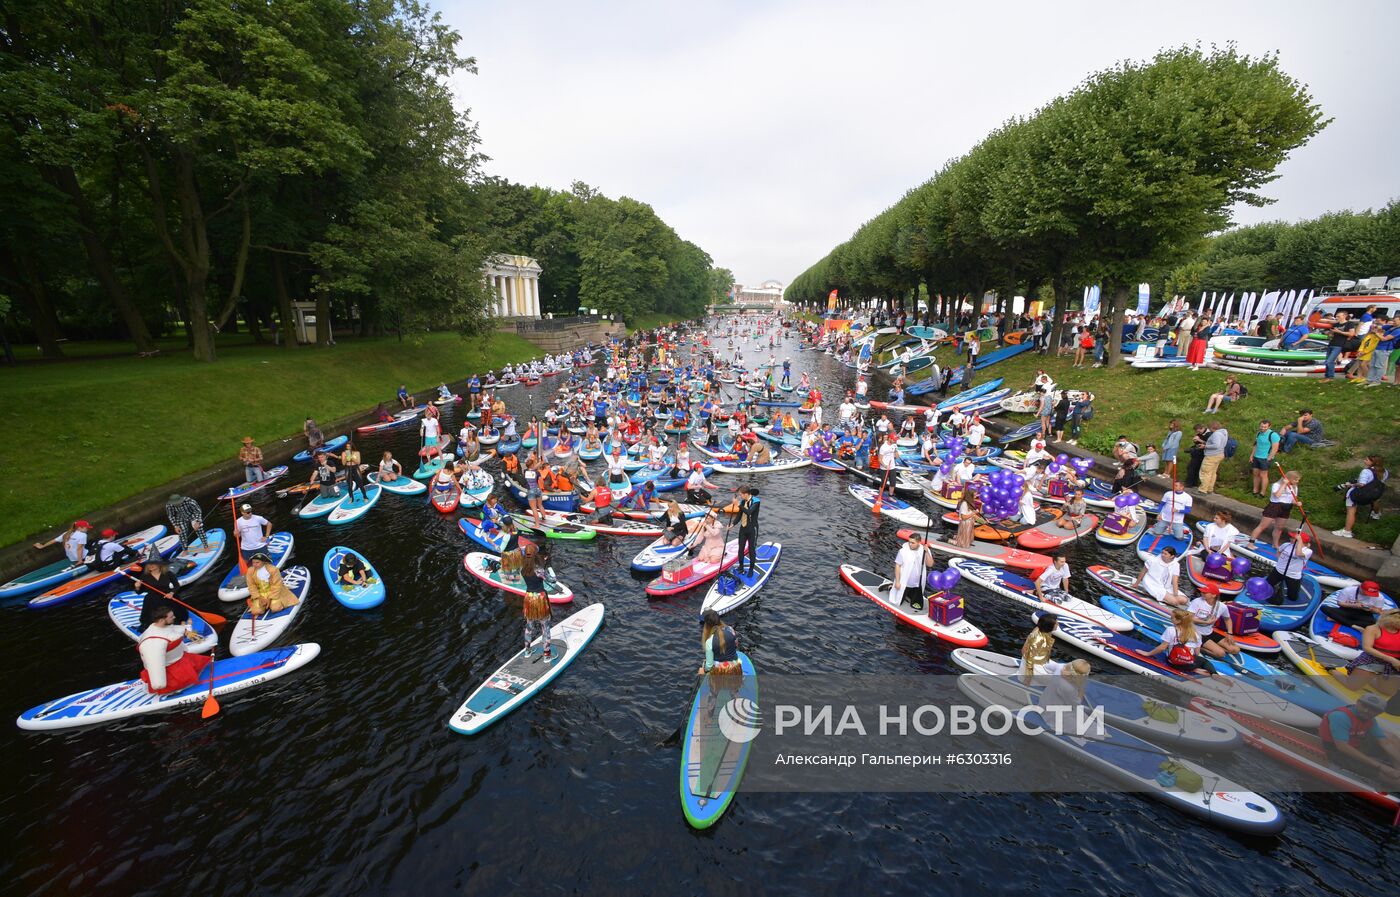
(1215, 561)
(1062, 458)
(1239, 567)
(943, 580)
(1259, 589)
(1083, 465)
(1121, 501)
(1054, 467)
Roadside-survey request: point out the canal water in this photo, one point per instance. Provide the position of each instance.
(344, 779)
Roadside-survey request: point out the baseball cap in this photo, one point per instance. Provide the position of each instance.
(1374, 703)
(1304, 537)
(246, 508)
(108, 532)
(1370, 589)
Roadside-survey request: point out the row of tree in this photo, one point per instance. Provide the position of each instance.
(1113, 183)
(202, 161)
(1294, 255)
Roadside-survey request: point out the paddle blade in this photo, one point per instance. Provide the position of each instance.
(214, 620)
(211, 707)
(879, 502)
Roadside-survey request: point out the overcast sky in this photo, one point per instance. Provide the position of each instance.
(766, 132)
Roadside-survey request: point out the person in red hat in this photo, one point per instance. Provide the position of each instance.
(1359, 604)
(1211, 615)
(1288, 569)
(74, 541)
(109, 552)
(696, 484)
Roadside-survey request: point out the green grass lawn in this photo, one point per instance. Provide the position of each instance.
(651, 321)
(86, 433)
(1139, 404)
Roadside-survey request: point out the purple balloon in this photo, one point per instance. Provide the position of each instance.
(950, 578)
(1215, 560)
(1062, 458)
(1239, 567)
(1134, 499)
(1121, 500)
(1054, 467)
(1259, 589)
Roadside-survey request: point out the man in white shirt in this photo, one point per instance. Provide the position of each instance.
(861, 387)
(845, 412)
(253, 532)
(1054, 577)
(1176, 504)
(889, 453)
(910, 565)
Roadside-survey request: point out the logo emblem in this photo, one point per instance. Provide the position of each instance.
(740, 720)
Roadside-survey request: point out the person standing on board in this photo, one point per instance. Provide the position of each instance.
(186, 519)
(252, 532)
(251, 458)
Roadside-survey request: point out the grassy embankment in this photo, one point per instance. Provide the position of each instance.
(651, 321)
(83, 434)
(1140, 404)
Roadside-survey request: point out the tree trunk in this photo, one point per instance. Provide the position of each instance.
(240, 267)
(1060, 284)
(284, 304)
(323, 318)
(1115, 326)
(34, 296)
(63, 177)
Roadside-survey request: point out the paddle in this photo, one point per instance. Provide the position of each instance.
(211, 619)
(211, 703)
(1304, 511)
(880, 496)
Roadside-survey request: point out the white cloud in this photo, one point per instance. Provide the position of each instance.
(766, 132)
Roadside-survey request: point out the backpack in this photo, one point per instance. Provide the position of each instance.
(1244, 390)
(1231, 444)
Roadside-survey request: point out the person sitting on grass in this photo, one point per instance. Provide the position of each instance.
(1233, 391)
(1307, 430)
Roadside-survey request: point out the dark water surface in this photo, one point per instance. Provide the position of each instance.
(343, 778)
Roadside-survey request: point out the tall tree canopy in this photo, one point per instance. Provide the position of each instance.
(1117, 181)
(204, 161)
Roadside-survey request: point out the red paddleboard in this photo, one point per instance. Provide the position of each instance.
(446, 500)
(1050, 535)
(989, 552)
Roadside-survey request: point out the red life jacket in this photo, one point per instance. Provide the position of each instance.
(1360, 728)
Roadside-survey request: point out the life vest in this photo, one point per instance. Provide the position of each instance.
(1360, 728)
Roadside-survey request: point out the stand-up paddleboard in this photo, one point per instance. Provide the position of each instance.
(1050, 535)
(712, 763)
(1121, 585)
(331, 445)
(398, 420)
(1025, 431)
(1321, 664)
(487, 568)
(1022, 590)
(792, 463)
(403, 485)
(255, 632)
(446, 500)
(197, 559)
(278, 550)
(355, 597)
(1263, 675)
(270, 476)
(59, 572)
(655, 555)
(551, 529)
(1005, 529)
(492, 540)
(875, 587)
(698, 573)
(1196, 572)
(1342, 638)
(1163, 723)
(617, 526)
(525, 674)
(1125, 651)
(125, 611)
(733, 588)
(1305, 752)
(100, 579)
(1140, 765)
(353, 508)
(130, 698)
(1129, 536)
(894, 508)
(322, 505)
(1155, 543)
(969, 395)
(1264, 553)
(1287, 614)
(987, 552)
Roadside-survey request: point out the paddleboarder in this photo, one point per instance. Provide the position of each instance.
(911, 564)
(252, 531)
(536, 606)
(748, 529)
(166, 667)
(1354, 741)
(389, 469)
(1182, 644)
(154, 583)
(186, 518)
(74, 541)
(1035, 650)
(722, 667)
(267, 593)
(251, 457)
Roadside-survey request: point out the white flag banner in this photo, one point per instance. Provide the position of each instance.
(1202, 306)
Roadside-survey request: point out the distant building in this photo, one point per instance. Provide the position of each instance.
(515, 282)
(770, 292)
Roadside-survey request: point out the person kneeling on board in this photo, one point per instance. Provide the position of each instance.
(267, 593)
(696, 486)
(1063, 694)
(1353, 740)
(108, 553)
(352, 571)
(166, 668)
